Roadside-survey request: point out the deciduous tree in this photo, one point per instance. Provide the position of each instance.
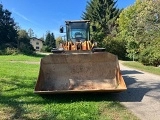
(30, 33)
(139, 27)
(24, 42)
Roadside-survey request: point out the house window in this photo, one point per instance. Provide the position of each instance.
(37, 43)
(37, 48)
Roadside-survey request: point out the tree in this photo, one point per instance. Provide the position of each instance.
(53, 41)
(8, 32)
(30, 33)
(139, 27)
(24, 45)
(130, 30)
(23, 34)
(103, 14)
(50, 41)
(59, 40)
(47, 40)
(42, 38)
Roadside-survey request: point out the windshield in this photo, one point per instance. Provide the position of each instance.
(78, 32)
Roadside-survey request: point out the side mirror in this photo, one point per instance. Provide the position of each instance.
(61, 30)
(94, 28)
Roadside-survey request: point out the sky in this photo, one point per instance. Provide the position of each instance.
(48, 15)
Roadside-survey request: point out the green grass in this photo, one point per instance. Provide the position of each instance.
(33, 58)
(17, 100)
(137, 65)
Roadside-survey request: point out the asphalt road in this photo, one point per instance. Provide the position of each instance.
(143, 94)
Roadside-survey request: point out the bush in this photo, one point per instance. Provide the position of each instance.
(150, 56)
(43, 48)
(26, 48)
(9, 51)
(48, 49)
(144, 56)
(1, 52)
(132, 49)
(115, 46)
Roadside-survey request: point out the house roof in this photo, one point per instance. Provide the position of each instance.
(34, 38)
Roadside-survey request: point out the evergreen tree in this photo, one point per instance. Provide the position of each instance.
(103, 14)
(50, 41)
(53, 40)
(8, 32)
(47, 40)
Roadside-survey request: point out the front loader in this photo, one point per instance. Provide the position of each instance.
(78, 65)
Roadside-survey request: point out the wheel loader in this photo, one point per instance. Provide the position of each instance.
(78, 65)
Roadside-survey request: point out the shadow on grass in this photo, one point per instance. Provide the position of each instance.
(78, 97)
(20, 84)
(11, 94)
(17, 92)
(22, 89)
(133, 94)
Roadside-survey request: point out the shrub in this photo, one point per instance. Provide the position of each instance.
(144, 56)
(26, 48)
(150, 56)
(48, 49)
(1, 52)
(11, 51)
(115, 46)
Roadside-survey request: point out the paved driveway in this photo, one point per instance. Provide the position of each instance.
(143, 94)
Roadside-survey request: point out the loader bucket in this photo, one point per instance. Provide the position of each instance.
(79, 72)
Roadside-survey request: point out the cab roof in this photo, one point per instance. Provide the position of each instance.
(77, 21)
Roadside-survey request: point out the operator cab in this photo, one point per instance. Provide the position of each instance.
(78, 36)
(77, 31)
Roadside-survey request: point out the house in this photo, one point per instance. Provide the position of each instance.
(36, 43)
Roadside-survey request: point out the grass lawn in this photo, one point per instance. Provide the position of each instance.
(17, 100)
(140, 66)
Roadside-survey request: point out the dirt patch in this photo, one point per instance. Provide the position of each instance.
(26, 62)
